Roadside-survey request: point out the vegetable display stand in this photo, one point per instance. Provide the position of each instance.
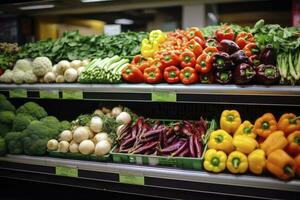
(78, 156)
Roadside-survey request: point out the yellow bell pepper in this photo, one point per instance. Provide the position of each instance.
(148, 49)
(246, 128)
(220, 140)
(237, 162)
(275, 140)
(214, 161)
(230, 120)
(157, 35)
(244, 143)
(257, 161)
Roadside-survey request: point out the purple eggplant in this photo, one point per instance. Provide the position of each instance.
(171, 139)
(228, 46)
(184, 153)
(268, 55)
(151, 133)
(198, 147)
(146, 147)
(150, 138)
(127, 143)
(243, 74)
(191, 146)
(172, 147)
(181, 148)
(134, 131)
(239, 57)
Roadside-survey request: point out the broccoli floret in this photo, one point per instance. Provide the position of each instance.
(65, 125)
(38, 128)
(4, 128)
(7, 117)
(53, 124)
(2, 97)
(34, 146)
(33, 109)
(2, 147)
(22, 120)
(14, 142)
(6, 105)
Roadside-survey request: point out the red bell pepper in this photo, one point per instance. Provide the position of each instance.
(140, 62)
(193, 46)
(200, 41)
(152, 75)
(194, 32)
(158, 64)
(225, 32)
(188, 75)
(203, 63)
(132, 74)
(243, 38)
(171, 74)
(187, 59)
(211, 43)
(168, 59)
(251, 49)
(210, 50)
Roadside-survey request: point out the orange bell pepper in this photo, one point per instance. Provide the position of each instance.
(276, 140)
(297, 161)
(265, 125)
(289, 123)
(293, 147)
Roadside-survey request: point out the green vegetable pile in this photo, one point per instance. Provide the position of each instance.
(73, 46)
(106, 70)
(8, 55)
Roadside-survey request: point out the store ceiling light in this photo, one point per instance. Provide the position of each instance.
(124, 21)
(37, 7)
(93, 1)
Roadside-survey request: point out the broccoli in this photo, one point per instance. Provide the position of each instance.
(65, 125)
(53, 124)
(4, 128)
(6, 105)
(38, 128)
(22, 120)
(2, 97)
(34, 146)
(7, 117)
(2, 147)
(14, 142)
(32, 109)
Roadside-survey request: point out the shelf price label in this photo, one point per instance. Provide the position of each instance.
(66, 171)
(164, 96)
(72, 94)
(18, 93)
(131, 179)
(49, 94)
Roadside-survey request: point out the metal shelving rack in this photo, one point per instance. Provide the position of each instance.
(157, 181)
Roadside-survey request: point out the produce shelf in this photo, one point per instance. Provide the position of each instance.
(156, 181)
(200, 93)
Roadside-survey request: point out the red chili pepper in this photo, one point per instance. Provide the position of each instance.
(169, 59)
(194, 32)
(152, 75)
(251, 49)
(187, 59)
(203, 63)
(210, 50)
(132, 74)
(225, 32)
(243, 38)
(171, 74)
(193, 46)
(188, 75)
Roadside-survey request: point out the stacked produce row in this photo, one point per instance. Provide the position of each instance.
(263, 54)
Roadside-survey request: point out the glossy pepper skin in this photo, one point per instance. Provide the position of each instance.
(158, 64)
(293, 147)
(275, 140)
(152, 75)
(210, 50)
(140, 62)
(207, 78)
(243, 74)
(239, 57)
(297, 162)
(268, 55)
(228, 46)
(171, 74)
(265, 125)
(221, 61)
(237, 162)
(230, 121)
(244, 143)
(246, 128)
(194, 47)
(203, 64)
(193, 32)
(225, 32)
(211, 43)
(267, 74)
(157, 35)
(169, 59)
(148, 48)
(132, 74)
(223, 77)
(188, 75)
(243, 38)
(251, 49)
(289, 123)
(220, 140)
(214, 161)
(280, 164)
(200, 41)
(187, 59)
(257, 161)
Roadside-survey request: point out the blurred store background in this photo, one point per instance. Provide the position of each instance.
(30, 20)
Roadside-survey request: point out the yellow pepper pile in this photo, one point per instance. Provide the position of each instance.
(151, 45)
(265, 145)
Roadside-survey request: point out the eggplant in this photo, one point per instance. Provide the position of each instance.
(243, 74)
(221, 61)
(239, 57)
(224, 77)
(268, 55)
(267, 74)
(228, 46)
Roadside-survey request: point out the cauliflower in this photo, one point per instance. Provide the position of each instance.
(32, 109)
(18, 76)
(30, 77)
(41, 65)
(23, 65)
(7, 76)
(62, 66)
